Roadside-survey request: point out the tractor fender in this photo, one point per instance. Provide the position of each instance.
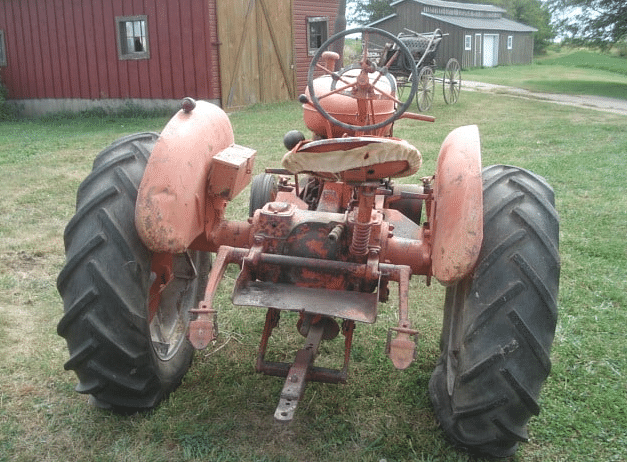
(171, 205)
(457, 213)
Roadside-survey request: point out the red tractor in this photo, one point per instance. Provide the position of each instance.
(327, 234)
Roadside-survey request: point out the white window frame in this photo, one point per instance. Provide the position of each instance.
(311, 50)
(141, 47)
(3, 49)
(510, 42)
(467, 42)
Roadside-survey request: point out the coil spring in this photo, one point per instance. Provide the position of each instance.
(361, 238)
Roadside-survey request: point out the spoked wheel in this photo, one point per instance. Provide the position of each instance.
(403, 85)
(426, 89)
(499, 322)
(363, 81)
(126, 308)
(452, 83)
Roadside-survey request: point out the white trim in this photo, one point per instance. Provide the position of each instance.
(467, 42)
(142, 41)
(316, 19)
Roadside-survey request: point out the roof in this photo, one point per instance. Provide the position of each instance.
(390, 16)
(474, 22)
(456, 5)
(503, 24)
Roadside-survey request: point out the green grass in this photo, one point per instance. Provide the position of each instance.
(587, 60)
(223, 410)
(571, 72)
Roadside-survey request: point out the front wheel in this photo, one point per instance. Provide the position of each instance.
(126, 309)
(452, 82)
(499, 322)
(263, 189)
(426, 89)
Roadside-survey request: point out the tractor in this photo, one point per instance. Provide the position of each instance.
(329, 231)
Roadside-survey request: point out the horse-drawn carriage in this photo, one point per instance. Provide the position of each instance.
(423, 48)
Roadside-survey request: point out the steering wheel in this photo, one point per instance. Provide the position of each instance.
(363, 87)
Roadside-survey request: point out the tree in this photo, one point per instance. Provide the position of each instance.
(599, 22)
(367, 11)
(533, 13)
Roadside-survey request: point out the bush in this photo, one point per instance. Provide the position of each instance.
(6, 110)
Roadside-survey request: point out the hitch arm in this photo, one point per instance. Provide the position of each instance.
(297, 375)
(203, 329)
(401, 350)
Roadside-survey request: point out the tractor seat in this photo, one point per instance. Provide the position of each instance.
(354, 159)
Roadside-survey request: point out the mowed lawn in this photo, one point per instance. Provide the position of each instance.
(223, 410)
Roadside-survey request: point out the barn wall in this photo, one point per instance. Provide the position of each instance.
(67, 49)
(302, 10)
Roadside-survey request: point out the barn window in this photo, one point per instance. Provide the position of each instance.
(510, 42)
(3, 50)
(467, 42)
(133, 37)
(317, 33)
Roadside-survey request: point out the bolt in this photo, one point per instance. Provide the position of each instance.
(188, 104)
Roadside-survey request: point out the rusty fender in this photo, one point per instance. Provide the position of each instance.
(457, 215)
(175, 203)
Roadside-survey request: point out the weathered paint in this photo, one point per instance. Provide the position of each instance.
(171, 209)
(457, 222)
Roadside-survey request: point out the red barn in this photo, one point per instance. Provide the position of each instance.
(74, 55)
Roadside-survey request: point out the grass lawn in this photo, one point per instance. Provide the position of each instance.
(576, 72)
(223, 410)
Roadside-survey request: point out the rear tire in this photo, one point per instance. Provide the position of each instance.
(125, 357)
(499, 322)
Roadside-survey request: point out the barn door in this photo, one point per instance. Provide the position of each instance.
(256, 51)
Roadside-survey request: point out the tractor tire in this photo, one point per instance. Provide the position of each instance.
(499, 322)
(126, 358)
(263, 189)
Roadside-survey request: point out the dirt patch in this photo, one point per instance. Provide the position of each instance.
(599, 103)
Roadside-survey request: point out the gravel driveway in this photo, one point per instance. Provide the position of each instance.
(599, 103)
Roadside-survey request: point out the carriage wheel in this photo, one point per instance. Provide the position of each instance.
(403, 83)
(452, 83)
(426, 87)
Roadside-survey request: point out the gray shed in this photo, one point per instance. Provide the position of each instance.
(478, 35)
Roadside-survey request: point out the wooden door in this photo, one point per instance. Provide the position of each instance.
(256, 51)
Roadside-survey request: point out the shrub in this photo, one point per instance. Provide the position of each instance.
(7, 111)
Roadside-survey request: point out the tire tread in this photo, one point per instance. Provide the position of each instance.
(500, 321)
